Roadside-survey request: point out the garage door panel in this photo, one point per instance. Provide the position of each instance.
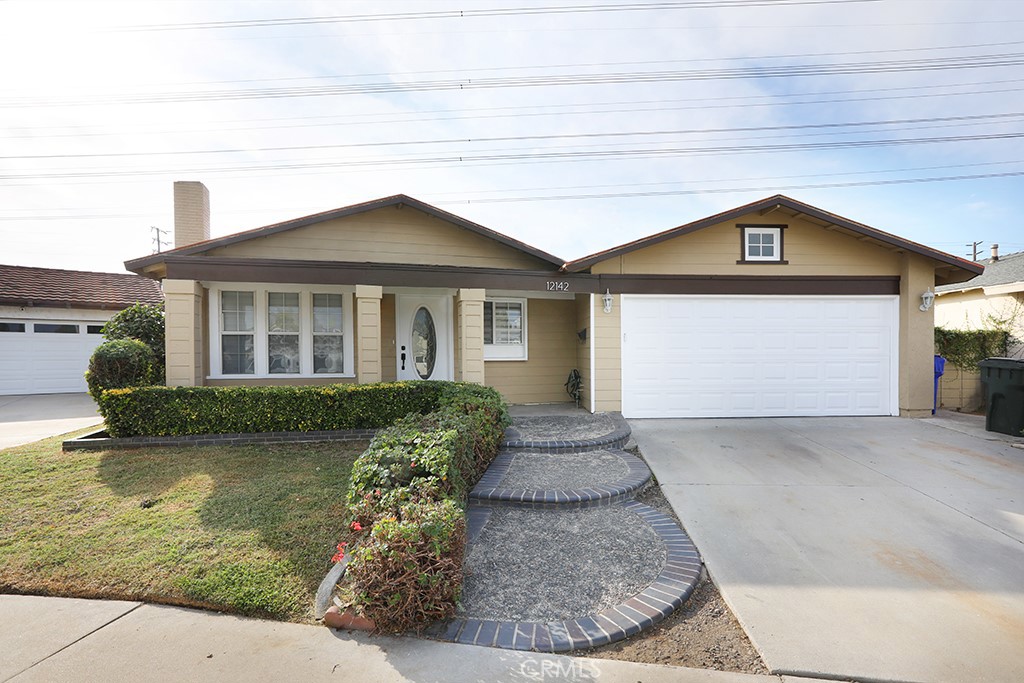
(770, 356)
(37, 362)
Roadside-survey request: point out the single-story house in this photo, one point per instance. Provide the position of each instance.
(52, 320)
(773, 308)
(993, 299)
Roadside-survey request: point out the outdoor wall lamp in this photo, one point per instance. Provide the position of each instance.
(927, 299)
(607, 300)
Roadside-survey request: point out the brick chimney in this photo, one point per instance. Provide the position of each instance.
(995, 252)
(191, 213)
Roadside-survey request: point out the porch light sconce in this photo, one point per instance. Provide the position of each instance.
(927, 299)
(582, 334)
(607, 300)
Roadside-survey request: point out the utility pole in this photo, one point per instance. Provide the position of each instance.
(973, 253)
(158, 239)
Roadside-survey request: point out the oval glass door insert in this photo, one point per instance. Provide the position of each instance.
(424, 343)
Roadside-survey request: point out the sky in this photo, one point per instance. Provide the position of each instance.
(572, 125)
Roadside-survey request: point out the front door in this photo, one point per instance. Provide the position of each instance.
(424, 337)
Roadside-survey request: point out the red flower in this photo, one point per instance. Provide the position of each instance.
(413, 464)
(341, 552)
(356, 526)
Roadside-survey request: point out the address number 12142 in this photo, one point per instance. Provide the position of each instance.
(558, 286)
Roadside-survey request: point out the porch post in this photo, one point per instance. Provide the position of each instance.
(183, 332)
(470, 335)
(368, 335)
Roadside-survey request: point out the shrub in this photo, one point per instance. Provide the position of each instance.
(966, 348)
(144, 322)
(117, 364)
(179, 411)
(407, 572)
(419, 463)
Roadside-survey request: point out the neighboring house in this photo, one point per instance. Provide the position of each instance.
(994, 299)
(51, 321)
(774, 308)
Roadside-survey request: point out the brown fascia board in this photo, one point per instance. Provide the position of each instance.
(783, 201)
(139, 264)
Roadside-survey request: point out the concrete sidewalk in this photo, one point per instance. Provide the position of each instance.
(48, 639)
(24, 419)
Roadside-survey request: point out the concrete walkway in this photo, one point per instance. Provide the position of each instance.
(61, 639)
(24, 419)
(863, 548)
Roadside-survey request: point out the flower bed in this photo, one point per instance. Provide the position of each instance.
(407, 497)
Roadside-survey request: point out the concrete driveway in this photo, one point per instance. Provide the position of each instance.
(861, 548)
(24, 419)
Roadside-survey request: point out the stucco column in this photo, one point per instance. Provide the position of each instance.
(368, 335)
(183, 332)
(470, 335)
(917, 337)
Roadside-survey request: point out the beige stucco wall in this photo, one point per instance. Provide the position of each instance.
(583, 348)
(387, 235)
(973, 310)
(917, 338)
(552, 342)
(810, 250)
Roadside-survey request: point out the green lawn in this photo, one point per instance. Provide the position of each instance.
(247, 529)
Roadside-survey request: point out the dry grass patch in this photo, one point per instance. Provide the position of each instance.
(246, 529)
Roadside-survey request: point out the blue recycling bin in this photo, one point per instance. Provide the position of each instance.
(940, 369)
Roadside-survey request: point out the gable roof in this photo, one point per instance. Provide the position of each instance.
(50, 287)
(373, 205)
(776, 201)
(1006, 270)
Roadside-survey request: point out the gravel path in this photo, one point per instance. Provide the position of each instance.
(533, 470)
(559, 427)
(550, 565)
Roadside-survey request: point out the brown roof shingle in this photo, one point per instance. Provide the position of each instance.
(30, 286)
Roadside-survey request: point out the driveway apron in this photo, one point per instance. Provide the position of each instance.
(863, 548)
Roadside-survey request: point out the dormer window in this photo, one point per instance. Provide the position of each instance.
(761, 243)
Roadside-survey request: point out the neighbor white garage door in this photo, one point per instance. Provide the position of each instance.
(46, 356)
(759, 356)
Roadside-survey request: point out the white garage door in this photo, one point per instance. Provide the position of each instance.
(46, 356)
(759, 356)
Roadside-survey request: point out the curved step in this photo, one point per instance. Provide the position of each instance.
(513, 479)
(515, 438)
(669, 590)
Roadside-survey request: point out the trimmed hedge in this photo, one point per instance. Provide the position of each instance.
(181, 411)
(119, 363)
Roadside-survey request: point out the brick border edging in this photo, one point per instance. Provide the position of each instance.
(84, 443)
(669, 590)
(489, 491)
(616, 439)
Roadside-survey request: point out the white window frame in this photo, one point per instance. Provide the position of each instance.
(775, 232)
(261, 298)
(511, 352)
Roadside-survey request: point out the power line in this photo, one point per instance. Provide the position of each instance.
(473, 13)
(521, 138)
(528, 157)
(577, 79)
